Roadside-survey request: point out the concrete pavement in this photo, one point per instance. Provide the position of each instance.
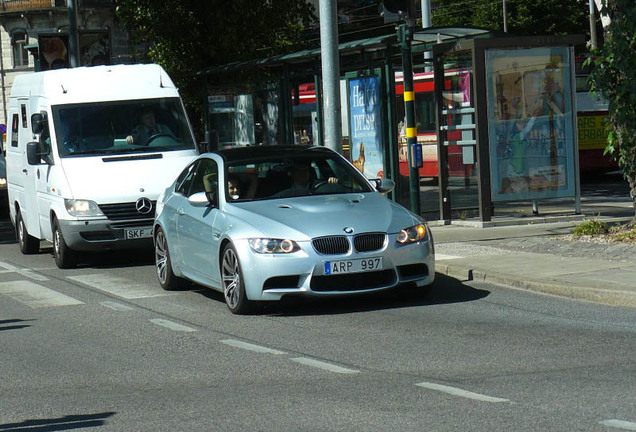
(536, 252)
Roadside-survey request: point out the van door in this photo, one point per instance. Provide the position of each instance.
(29, 174)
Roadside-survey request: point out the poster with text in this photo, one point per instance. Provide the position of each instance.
(365, 126)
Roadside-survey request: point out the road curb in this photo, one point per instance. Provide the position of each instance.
(608, 297)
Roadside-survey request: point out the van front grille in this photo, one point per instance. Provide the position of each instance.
(126, 211)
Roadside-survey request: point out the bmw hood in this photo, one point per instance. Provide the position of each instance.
(323, 215)
(123, 178)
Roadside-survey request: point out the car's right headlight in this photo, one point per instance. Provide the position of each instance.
(412, 234)
(273, 246)
(82, 208)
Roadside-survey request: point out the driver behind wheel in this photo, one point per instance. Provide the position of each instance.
(147, 128)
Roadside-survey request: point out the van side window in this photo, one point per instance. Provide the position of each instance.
(24, 115)
(15, 125)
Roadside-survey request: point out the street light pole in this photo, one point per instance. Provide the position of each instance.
(330, 60)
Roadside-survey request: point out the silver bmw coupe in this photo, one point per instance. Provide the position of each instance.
(260, 223)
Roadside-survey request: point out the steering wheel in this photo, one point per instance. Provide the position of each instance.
(155, 136)
(318, 184)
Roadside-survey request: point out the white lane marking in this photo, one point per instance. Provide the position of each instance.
(172, 325)
(23, 272)
(251, 347)
(120, 287)
(36, 296)
(620, 424)
(439, 256)
(116, 306)
(324, 365)
(462, 393)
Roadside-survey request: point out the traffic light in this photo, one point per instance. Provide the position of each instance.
(403, 8)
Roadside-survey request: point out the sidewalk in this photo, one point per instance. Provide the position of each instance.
(534, 252)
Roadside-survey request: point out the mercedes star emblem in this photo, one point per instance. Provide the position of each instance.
(143, 205)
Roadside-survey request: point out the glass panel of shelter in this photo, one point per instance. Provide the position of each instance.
(457, 132)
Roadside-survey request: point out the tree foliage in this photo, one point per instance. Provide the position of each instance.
(524, 17)
(186, 36)
(614, 76)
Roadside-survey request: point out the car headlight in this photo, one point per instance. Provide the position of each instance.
(3, 182)
(79, 208)
(412, 234)
(272, 246)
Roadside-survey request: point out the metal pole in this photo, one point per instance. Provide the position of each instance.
(505, 17)
(426, 23)
(330, 75)
(593, 40)
(73, 39)
(405, 35)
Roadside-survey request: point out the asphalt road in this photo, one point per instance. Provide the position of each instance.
(102, 347)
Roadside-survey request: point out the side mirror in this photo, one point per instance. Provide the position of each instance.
(37, 123)
(384, 185)
(202, 199)
(212, 141)
(34, 154)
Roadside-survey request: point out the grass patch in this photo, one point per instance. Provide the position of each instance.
(591, 227)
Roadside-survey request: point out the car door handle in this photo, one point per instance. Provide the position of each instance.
(180, 212)
(25, 171)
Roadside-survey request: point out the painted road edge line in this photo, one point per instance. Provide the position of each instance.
(172, 325)
(323, 365)
(251, 347)
(620, 424)
(462, 393)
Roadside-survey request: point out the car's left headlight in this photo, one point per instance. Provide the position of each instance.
(80, 208)
(412, 234)
(3, 182)
(273, 246)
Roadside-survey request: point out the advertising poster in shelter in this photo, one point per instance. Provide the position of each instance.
(531, 123)
(53, 51)
(365, 126)
(94, 48)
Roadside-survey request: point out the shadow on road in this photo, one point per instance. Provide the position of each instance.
(69, 422)
(445, 290)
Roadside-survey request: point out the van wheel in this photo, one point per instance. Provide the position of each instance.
(163, 265)
(65, 257)
(28, 243)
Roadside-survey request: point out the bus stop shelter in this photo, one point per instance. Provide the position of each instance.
(476, 96)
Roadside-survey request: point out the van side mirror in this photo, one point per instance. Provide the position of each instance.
(37, 123)
(212, 141)
(35, 155)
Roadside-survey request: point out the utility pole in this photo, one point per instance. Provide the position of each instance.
(73, 39)
(505, 17)
(330, 60)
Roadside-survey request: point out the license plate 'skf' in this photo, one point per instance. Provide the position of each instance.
(137, 233)
(353, 266)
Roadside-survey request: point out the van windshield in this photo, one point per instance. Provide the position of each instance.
(120, 127)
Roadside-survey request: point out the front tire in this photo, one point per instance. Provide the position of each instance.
(233, 283)
(163, 264)
(65, 257)
(28, 244)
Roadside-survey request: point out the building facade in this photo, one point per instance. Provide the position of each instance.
(34, 36)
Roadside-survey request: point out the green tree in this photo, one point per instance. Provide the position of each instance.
(186, 36)
(614, 76)
(524, 17)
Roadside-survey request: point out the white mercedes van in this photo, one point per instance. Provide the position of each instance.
(84, 165)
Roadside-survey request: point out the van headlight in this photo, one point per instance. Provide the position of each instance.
(412, 234)
(82, 208)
